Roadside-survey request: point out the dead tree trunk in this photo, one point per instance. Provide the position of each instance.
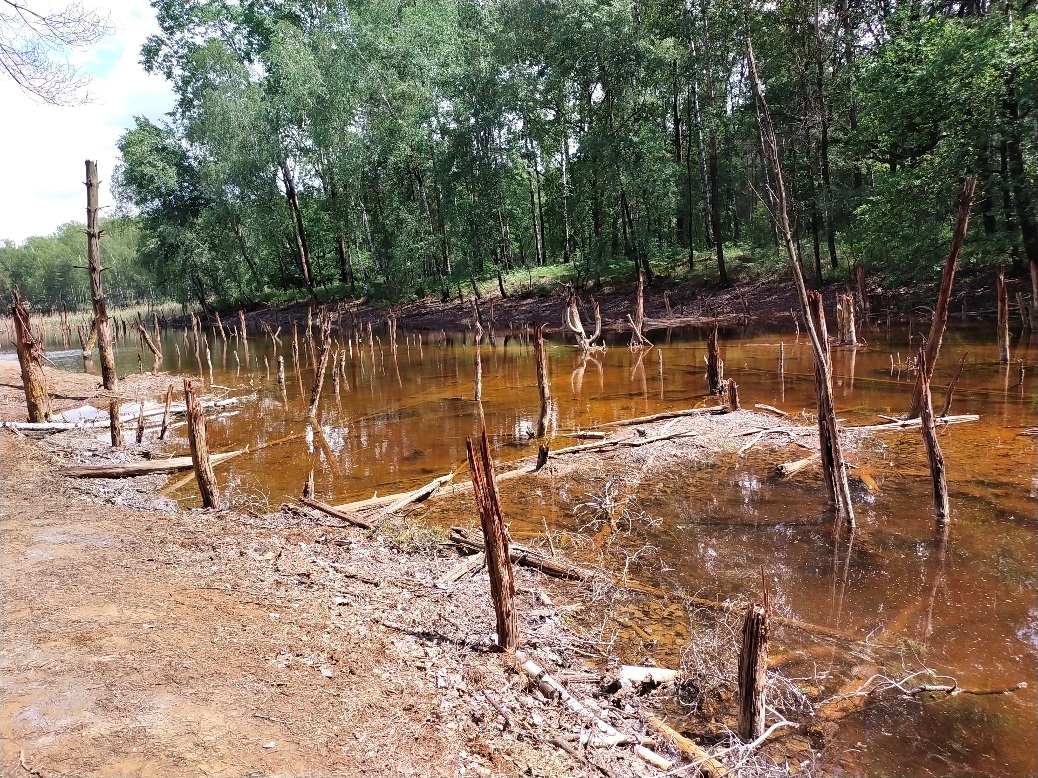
(571, 319)
(87, 339)
(114, 425)
(165, 412)
(109, 377)
(940, 313)
(951, 385)
(1003, 316)
(733, 395)
(845, 319)
(30, 357)
(863, 297)
(543, 387)
(140, 421)
(714, 364)
(196, 434)
(933, 448)
(826, 412)
(322, 364)
(499, 563)
(638, 322)
(753, 670)
(156, 352)
(827, 431)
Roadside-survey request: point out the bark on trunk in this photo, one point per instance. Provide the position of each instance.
(1003, 316)
(499, 563)
(714, 364)
(196, 433)
(109, 377)
(753, 671)
(30, 357)
(933, 448)
(543, 387)
(114, 424)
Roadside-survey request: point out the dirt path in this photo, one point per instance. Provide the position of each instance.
(167, 644)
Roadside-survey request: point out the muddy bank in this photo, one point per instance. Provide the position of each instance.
(691, 303)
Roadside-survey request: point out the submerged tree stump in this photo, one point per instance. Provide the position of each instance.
(753, 670)
(543, 387)
(1003, 316)
(714, 364)
(30, 358)
(321, 364)
(499, 563)
(933, 448)
(733, 395)
(196, 434)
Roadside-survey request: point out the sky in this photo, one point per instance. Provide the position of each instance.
(45, 146)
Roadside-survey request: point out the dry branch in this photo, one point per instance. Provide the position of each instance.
(146, 467)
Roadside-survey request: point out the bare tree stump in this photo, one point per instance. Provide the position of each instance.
(308, 486)
(940, 314)
(114, 425)
(933, 448)
(543, 387)
(733, 395)
(109, 377)
(321, 364)
(140, 421)
(165, 412)
(196, 433)
(30, 357)
(499, 564)
(1003, 316)
(753, 670)
(156, 352)
(714, 364)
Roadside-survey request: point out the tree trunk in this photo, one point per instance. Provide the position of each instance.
(828, 433)
(302, 247)
(753, 671)
(499, 563)
(321, 364)
(109, 377)
(933, 448)
(1003, 316)
(940, 314)
(823, 150)
(196, 433)
(543, 387)
(30, 357)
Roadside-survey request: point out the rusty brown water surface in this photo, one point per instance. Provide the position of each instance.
(965, 607)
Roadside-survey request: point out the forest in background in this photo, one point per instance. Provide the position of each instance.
(398, 149)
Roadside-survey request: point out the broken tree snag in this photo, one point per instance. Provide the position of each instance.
(499, 564)
(109, 377)
(834, 473)
(863, 297)
(638, 339)
(87, 339)
(543, 387)
(933, 448)
(542, 457)
(196, 434)
(322, 364)
(165, 412)
(845, 329)
(30, 357)
(714, 364)
(573, 324)
(1003, 316)
(308, 487)
(829, 439)
(940, 312)
(140, 421)
(733, 395)
(156, 352)
(753, 670)
(477, 379)
(951, 385)
(116, 427)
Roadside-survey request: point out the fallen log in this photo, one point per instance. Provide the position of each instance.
(462, 569)
(911, 424)
(665, 415)
(521, 555)
(708, 766)
(585, 435)
(331, 510)
(803, 626)
(131, 469)
(416, 496)
(770, 409)
(790, 469)
(644, 674)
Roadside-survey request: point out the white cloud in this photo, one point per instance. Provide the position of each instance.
(45, 146)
